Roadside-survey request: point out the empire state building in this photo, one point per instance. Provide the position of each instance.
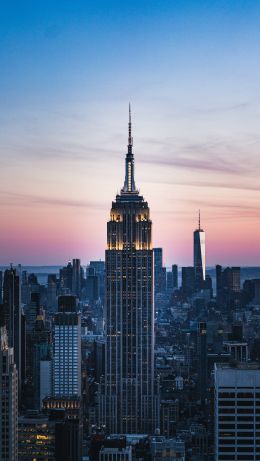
(127, 399)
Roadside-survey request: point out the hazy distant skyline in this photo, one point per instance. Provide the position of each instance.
(192, 73)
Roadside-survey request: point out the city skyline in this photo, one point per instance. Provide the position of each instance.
(130, 251)
(195, 114)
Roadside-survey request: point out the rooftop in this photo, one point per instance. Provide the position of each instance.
(238, 366)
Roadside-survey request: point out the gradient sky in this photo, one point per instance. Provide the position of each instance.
(191, 70)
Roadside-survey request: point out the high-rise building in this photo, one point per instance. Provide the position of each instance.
(172, 278)
(188, 280)
(52, 292)
(127, 396)
(68, 433)
(158, 262)
(41, 363)
(12, 314)
(199, 257)
(159, 272)
(92, 285)
(231, 279)
(8, 399)
(31, 312)
(66, 279)
(67, 348)
(76, 277)
(237, 411)
(218, 282)
(175, 276)
(1, 287)
(228, 286)
(169, 280)
(52, 436)
(36, 437)
(99, 267)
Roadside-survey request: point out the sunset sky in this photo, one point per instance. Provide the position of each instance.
(191, 70)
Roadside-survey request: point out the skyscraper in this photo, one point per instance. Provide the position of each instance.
(237, 417)
(158, 261)
(175, 276)
(127, 397)
(12, 314)
(228, 286)
(199, 256)
(8, 399)
(76, 277)
(67, 348)
(188, 280)
(66, 279)
(1, 287)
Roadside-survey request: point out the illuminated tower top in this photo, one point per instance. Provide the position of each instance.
(129, 184)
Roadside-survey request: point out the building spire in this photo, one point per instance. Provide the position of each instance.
(129, 184)
(130, 139)
(199, 219)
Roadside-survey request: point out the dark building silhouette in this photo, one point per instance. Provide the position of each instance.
(158, 258)
(76, 278)
(99, 267)
(8, 399)
(228, 287)
(175, 276)
(188, 280)
(169, 281)
(52, 292)
(66, 279)
(12, 315)
(42, 352)
(1, 287)
(92, 285)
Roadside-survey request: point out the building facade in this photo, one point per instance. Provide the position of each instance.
(127, 395)
(12, 315)
(9, 401)
(67, 348)
(237, 411)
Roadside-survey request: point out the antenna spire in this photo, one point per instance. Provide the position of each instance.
(130, 139)
(199, 219)
(129, 184)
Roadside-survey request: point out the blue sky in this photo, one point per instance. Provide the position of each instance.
(192, 72)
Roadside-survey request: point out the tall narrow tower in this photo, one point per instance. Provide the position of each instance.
(199, 256)
(127, 397)
(8, 399)
(12, 315)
